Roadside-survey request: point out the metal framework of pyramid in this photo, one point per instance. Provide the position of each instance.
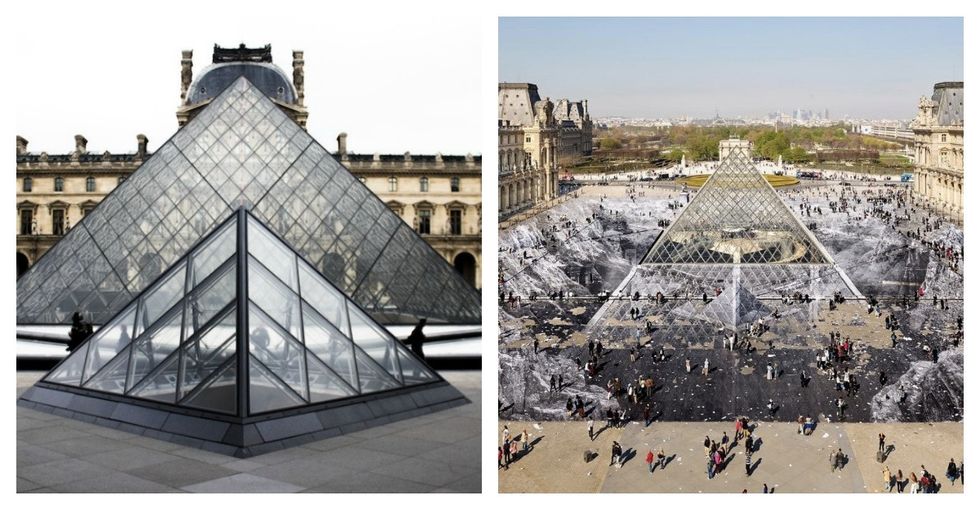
(242, 151)
(734, 247)
(241, 347)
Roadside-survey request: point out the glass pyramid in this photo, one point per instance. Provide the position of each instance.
(242, 151)
(722, 265)
(737, 218)
(241, 325)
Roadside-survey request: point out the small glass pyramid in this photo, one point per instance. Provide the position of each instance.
(242, 151)
(241, 325)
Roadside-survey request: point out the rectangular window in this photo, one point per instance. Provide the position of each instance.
(425, 221)
(455, 222)
(26, 218)
(87, 209)
(58, 222)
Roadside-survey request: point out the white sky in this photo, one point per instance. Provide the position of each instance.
(394, 81)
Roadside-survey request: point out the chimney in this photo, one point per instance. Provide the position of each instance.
(186, 72)
(141, 142)
(21, 145)
(586, 103)
(342, 145)
(80, 144)
(298, 75)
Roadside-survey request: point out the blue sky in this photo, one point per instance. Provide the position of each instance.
(664, 67)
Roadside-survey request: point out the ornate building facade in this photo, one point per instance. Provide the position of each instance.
(534, 136)
(938, 129)
(440, 196)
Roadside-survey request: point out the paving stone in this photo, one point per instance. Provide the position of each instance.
(371, 483)
(243, 483)
(306, 472)
(62, 471)
(29, 455)
(114, 483)
(89, 444)
(181, 472)
(421, 471)
(126, 459)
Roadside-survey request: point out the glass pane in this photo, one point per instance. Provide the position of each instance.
(70, 370)
(371, 376)
(324, 384)
(205, 354)
(113, 377)
(413, 371)
(163, 296)
(108, 341)
(161, 386)
(151, 349)
(265, 392)
(277, 351)
(324, 297)
(210, 256)
(274, 298)
(329, 345)
(272, 253)
(373, 341)
(220, 394)
(203, 304)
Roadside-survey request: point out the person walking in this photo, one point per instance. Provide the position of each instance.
(952, 472)
(881, 442)
(417, 338)
(591, 428)
(505, 435)
(887, 475)
(617, 455)
(650, 460)
(704, 371)
(662, 459)
(506, 454)
(524, 439)
(748, 463)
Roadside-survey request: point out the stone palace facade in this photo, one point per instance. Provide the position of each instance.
(938, 129)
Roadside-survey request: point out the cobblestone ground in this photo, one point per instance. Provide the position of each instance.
(784, 460)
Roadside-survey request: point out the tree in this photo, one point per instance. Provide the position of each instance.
(609, 143)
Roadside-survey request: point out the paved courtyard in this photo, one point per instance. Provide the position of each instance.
(439, 452)
(787, 461)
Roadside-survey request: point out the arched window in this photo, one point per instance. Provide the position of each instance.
(454, 184)
(28, 184)
(423, 184)
(90, 184)
(943, 137)
(59, 184)
(393, 183)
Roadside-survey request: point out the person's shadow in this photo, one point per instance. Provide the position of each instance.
(627, 456)
(668, 460)
(888, 451)
(757, 444)
(754, 466)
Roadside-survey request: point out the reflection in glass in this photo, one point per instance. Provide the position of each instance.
(159, 299)
(272, 253)
(329, 345)
(109, 341)
(152, 348)
(274, 298)
(210, 256)
(324, 384)
(203, 304)
(265, 392)
(112, 378)
(220, 394)
(205, 354)
(374, 341)
(277, 351)
(324, 297)
(162, 385)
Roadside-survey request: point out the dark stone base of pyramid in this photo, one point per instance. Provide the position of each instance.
(242, 437)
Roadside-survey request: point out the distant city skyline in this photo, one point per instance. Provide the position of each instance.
(871, 68)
